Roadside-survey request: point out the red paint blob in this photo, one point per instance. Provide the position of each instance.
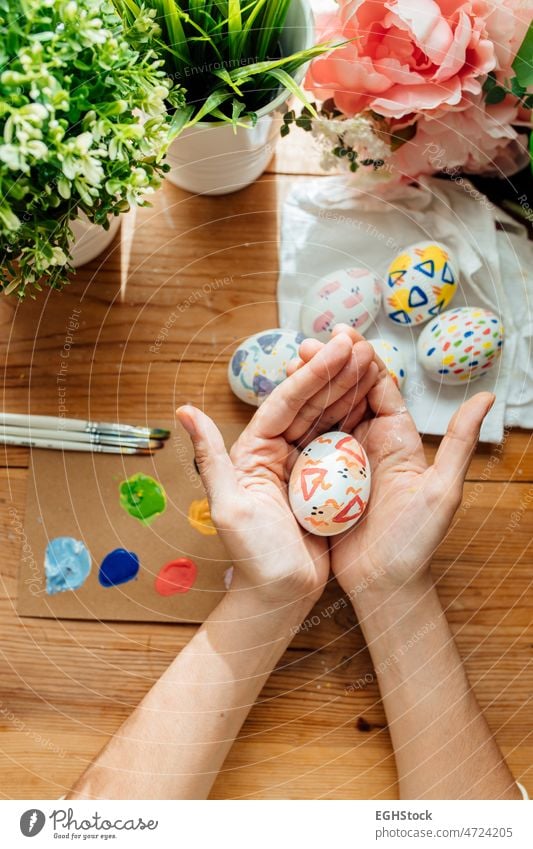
(178, 576)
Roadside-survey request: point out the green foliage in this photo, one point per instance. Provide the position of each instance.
(225, 53)
(72, 140)
(523, 63)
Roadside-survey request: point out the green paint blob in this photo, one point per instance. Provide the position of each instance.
(143, 498)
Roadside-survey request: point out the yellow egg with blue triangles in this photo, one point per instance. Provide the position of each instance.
(420, 283)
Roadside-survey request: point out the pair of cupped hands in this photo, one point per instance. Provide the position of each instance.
(341, 385)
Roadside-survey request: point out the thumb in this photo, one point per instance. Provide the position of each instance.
(459, 443)
(215, 467)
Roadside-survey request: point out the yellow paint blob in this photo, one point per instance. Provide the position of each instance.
(433, 253)
(200, 518)
(400, 300)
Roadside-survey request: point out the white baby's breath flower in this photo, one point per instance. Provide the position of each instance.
(357, 133)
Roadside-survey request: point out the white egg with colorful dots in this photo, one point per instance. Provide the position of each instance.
(393, 359)
(461, 345)
(329, 486)
(260, 363)
(347, 296)
(420, 283)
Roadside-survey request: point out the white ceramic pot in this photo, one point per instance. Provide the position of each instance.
(212, 158)
(90, 240)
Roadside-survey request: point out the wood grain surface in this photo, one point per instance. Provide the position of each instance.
(202, 275)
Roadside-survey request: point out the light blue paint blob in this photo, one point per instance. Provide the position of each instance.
(67, 564)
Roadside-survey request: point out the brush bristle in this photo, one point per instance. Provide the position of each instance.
(159, 433)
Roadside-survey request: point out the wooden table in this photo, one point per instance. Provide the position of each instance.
(66, 686)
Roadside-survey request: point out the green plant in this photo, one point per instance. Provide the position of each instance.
(73, 93)
(225, 53)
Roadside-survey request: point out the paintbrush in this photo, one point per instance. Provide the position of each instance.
(124, 440)
(67, 445)
(81, 426)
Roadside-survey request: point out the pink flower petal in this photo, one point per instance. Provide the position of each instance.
(423, 18)
(401, 100)
(454, 59)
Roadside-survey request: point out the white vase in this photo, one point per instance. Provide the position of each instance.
(90, 240)
(214, 159)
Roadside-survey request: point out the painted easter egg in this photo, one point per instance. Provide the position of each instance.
(260, 363)
(460, 345)
(393, 359)
(347, 296)
(420, 283)
(329, 485)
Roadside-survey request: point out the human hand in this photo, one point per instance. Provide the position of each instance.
(247, 489)
(411, 504)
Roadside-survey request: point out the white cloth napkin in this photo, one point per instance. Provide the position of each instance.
(327, 224)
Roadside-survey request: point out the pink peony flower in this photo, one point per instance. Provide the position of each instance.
(415, 56)
(477, 139)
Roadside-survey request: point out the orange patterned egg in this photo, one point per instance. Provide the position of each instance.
(329, 485)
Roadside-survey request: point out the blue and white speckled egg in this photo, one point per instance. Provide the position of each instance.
(347, 296)
(420, 283)
(393, 359)
(460, 345)
(260, 363)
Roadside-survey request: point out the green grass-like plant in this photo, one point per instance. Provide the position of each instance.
(226, 54)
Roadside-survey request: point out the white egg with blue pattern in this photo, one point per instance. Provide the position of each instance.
(260, 363)
(420, 283)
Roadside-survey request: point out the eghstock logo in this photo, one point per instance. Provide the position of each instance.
(32, 822)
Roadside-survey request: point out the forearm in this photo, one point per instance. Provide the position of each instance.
(444, 748)
(175, 742)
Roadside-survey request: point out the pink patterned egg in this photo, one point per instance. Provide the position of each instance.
(329, 485)
(347, 296)
(461, 345)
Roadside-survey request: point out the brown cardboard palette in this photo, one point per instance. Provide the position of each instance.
(77, 495)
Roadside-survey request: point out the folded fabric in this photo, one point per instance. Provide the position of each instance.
(327, 224)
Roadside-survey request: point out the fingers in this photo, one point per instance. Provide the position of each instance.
(346, 407)
(336, 399)
(280, 409)
(459, 443)
(310, 346)
(353, 334)
(215, 467)
(350, 422)
(385, 399)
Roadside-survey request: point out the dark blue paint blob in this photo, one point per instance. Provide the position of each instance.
(400, 317)
(237, 362)
(417, 297)
(300, 338)
(263, 386)
(268, 342)
(118, 567)
(469, 333)
(431, 351)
